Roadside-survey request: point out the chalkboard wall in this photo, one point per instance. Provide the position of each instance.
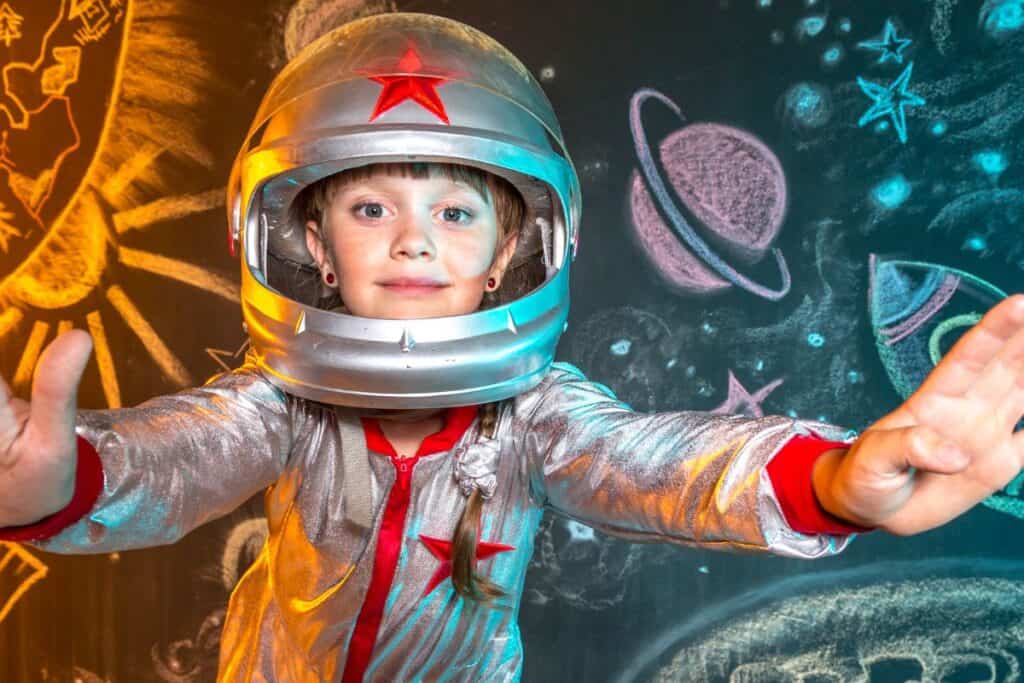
(790, 207)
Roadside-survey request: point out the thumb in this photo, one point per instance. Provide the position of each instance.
(55, 384)
(894, 451)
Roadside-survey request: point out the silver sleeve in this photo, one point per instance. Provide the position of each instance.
(174, 462)
(690, 478)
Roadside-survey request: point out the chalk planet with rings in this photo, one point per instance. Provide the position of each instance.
(732, 185)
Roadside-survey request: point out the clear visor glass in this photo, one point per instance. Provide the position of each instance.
(277, 253)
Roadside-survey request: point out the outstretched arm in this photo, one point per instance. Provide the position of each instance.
(681, 477)
(164, 467)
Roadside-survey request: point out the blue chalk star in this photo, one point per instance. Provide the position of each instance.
(890, 101)
(889, 45)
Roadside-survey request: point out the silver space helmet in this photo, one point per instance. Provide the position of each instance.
(402, 87)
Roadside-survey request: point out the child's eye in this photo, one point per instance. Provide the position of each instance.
(371, 210)
(455, 214)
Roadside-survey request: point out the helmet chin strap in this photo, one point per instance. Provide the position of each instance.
(355, 462)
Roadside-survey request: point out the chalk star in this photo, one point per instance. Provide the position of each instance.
(889, 45)
(890, 100)
(7, 229)
(740, 398)
(219, 355)
(420, 89)
(442, 550)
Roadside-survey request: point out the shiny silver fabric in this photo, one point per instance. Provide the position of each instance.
(174, 462)
(315, 120)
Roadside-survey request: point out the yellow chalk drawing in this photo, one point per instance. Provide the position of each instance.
(156, 347)
(19, 117)
(185, 273)
(23, 376)
(96, 16)
(65, 267)
(9, 318)
(221, 356)
(64, 260)
(58, 77)
(10, 24)
(168, 208)
(122, 177)
(7, 230)
(104, 360)
(23, 567)
(5, 150)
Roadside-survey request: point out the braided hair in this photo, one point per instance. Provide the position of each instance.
(467, 582)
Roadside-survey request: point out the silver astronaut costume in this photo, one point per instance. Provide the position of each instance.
(353, 582)
(178, 461)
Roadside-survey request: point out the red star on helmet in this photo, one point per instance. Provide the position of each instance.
(420, 89)
(442, 550)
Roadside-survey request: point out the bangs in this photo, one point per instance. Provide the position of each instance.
(313, 202)
(459, 173)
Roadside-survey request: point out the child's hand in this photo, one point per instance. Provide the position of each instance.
(897, 475)
(37, 440)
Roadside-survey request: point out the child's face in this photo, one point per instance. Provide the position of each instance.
(403, 247)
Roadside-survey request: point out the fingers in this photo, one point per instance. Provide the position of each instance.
(929, 451)
(1000, 385)
(973, 351)
(12, 421)
(55, 385)
(968, 423)
(6, 406)
(919, 447)
(1017, 446)
(995, 454)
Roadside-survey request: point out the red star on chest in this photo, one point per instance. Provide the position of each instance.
(442, 550)
(420, 89)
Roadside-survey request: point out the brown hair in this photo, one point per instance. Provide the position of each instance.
(314, 201)
(467, 582)
(510, 209)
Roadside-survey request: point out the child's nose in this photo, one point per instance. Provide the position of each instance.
(413, 241)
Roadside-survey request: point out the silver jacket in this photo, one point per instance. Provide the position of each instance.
(177, 461)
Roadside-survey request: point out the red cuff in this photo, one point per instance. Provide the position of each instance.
(790, 474)
(88, 484)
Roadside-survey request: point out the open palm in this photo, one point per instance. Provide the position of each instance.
(37, 439)
(895, 475)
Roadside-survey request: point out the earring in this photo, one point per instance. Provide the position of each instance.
(329, 278)
(491, 283)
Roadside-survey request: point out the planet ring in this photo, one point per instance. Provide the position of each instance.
(679, 224)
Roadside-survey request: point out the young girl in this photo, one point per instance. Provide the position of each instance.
(407, 214)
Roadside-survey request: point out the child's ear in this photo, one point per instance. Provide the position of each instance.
(314, 243)
(504, 255)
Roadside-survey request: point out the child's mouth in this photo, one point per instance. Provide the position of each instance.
(413, 286)
(412, 289)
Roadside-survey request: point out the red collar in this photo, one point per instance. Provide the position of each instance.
(456, 422)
